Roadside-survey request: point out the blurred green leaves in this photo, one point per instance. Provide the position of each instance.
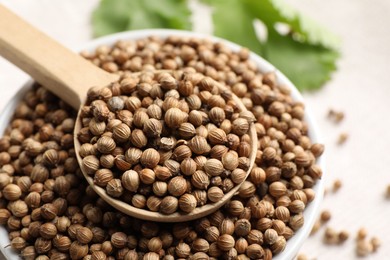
(304, 51)
(121, 15)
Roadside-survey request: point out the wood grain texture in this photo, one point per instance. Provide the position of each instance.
(60, 70)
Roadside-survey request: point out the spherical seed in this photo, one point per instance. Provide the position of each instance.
(150, 158)
(174, 117)
(240, 126)
(217, 115)
(242, 227)
(200, 245)
(363, 248)
(130, 180)
(279, 245)
(226, 226)
(255, 237)
(187, 130)
(181, 152)
(277, 189)
(119, 239)
(147, 176)
(48, 230)
(138, 138)
(238, 176)
(177, 186)
(270, 236)
(255, 251)
(225, 242)
(121, 133)
(182, 250)
(187, 203)
(106, 144)
(217, 136)
(160, 188)
(12, 192)
(215, 194)
(213, 167)
(152, 128)
(114, 188)
(200, 180)
(199, 145)
(84, 235)
(296, 206)
(188, 166)
(169, 205)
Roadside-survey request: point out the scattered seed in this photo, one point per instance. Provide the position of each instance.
(376, 243)
(361, 234)
(388, 191)
(343, 137)
(337, 185)
(336, 116)
(325, 216)
(363, 248)
(343, 236)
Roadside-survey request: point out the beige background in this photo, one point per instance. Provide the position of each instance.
(360, 88)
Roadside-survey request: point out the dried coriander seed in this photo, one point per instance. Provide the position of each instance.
(109, 219)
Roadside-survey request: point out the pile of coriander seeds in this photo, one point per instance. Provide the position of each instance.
(165, 142)
(51, 213)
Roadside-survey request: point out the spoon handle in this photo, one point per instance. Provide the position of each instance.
(60, 70)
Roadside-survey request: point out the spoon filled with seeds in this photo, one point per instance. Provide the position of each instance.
(159, 145)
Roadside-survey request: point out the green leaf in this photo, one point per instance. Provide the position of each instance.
(307, 54)
(233, 21)
(111, 16)
(277, 11)
(119, 15)
(307, 66)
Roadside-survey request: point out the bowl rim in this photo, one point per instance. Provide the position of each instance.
(311, 211)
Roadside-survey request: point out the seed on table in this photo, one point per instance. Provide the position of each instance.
(336, 116)
(337, 185)
(331, 236)
(343, 236)
(325, 216)
(361, 234)
(363, 247)
(343, 137)
(376, 243)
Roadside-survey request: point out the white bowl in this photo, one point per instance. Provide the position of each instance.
(311, 211)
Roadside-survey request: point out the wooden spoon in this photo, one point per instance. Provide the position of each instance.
(69, 76)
